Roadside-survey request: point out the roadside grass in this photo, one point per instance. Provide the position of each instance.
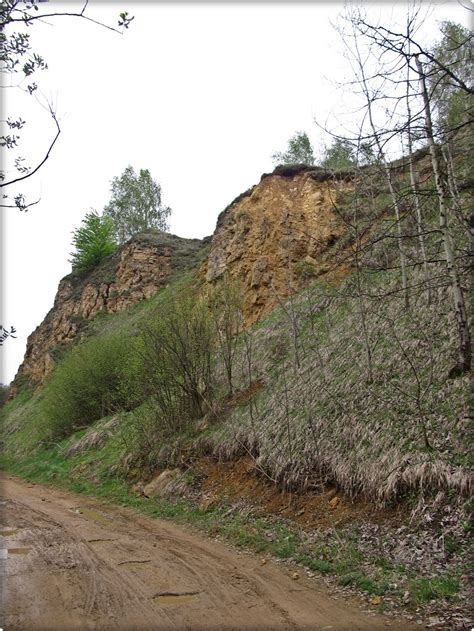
(436, 588)
(366, 584)
(287, 423)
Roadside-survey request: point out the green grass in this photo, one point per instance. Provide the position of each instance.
(436, 588)
(363, 582)
(370, 425)
(317, 414)
(316, 565)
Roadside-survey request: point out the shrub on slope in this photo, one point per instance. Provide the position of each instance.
(86, 385)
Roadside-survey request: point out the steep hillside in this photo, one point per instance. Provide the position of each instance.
(272, 239)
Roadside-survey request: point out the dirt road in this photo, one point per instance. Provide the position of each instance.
(70, 562)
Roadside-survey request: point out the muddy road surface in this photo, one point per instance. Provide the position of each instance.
(71, 562)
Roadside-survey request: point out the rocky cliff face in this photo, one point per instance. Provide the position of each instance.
(136, 271)
(273, 238)
(276, 236)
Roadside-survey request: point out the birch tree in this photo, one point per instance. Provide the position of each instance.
(370, 97)
(442, 189)
(136, 204)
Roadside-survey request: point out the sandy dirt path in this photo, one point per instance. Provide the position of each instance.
(71, 562)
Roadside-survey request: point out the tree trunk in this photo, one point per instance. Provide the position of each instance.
(388, 175)
(442, 190)
(416, 196)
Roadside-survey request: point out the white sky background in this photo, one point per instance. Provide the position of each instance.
(199, 94)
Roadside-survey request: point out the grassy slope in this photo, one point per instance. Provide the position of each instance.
(315, 421)
(320, 420)
(359, 557)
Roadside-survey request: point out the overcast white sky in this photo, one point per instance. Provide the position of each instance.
(199, 94)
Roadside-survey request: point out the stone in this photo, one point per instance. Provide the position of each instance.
(334, 502)
(138, 488)
(376, 600)
(157, 486)
(207, 503)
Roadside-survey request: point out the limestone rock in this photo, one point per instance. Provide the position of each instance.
(273, 238)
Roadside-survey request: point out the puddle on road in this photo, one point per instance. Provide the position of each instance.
(9, 532)
(170, 598)
(6, 552)
(19, 550)
(88, 513)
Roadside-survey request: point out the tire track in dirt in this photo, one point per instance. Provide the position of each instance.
(93, 566)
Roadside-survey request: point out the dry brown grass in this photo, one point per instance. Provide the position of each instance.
(319, 420)
(93, 438)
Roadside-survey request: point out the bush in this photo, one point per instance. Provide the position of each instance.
(86, 385)
(177, 357)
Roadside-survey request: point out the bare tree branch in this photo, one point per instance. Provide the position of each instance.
(38, 166)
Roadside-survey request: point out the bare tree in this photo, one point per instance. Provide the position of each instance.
(370, 97)
(225, 303)
(442, 189)
(414, 184)
(430, 71)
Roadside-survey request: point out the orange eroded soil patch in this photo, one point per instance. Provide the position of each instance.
(241, 480)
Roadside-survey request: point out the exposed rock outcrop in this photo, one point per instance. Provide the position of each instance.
(273, 237)
(136, 271)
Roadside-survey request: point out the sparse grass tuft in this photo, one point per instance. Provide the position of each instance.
(364, 583)
(439, 587)
(316, 565)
